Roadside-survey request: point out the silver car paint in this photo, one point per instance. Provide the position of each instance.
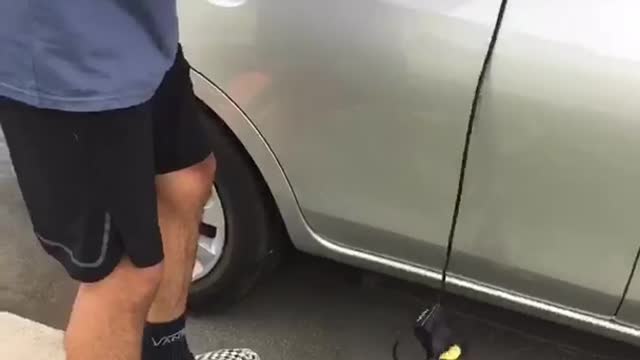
(223, 59)
(305, 239)
(363, 91)
(551, 203)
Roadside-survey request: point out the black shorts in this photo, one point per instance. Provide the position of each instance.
(88, 179)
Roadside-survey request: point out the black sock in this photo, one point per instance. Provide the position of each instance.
(165, 341)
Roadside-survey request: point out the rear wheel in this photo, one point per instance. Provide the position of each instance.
(212, 237)
(241, 234)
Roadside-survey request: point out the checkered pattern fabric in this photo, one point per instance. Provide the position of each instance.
(229, 354)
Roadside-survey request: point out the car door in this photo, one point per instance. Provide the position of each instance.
(551, 203)
(364, 103)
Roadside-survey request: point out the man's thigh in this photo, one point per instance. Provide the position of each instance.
(183, 156)
(88, 182)
(179, 137)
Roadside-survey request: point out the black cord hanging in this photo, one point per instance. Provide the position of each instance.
(431, 328)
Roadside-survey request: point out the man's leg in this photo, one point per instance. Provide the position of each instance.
(108, 316)
(181, 197)
(88, 180)
(185, 171)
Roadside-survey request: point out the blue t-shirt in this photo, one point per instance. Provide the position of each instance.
(85, 55)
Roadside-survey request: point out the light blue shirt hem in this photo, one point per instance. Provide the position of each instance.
(72, 104)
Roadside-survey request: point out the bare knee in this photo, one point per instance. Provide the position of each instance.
(187, 191)
(201, 177)
(127, 288)
(118, 303)
(146, 281)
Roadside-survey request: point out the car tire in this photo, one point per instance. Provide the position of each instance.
(255, 236)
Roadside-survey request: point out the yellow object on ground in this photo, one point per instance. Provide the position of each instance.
(453, 353)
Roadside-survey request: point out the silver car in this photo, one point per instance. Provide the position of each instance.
(340, 125)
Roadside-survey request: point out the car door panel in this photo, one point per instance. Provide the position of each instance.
(364, 102)
(551, 199)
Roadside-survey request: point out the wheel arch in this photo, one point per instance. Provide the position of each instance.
(301, 235)
(259, 151)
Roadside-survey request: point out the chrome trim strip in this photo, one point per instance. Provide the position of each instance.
(603, 323)
(592, 321)
(423, 272)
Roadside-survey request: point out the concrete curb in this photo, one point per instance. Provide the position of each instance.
(23, 339)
